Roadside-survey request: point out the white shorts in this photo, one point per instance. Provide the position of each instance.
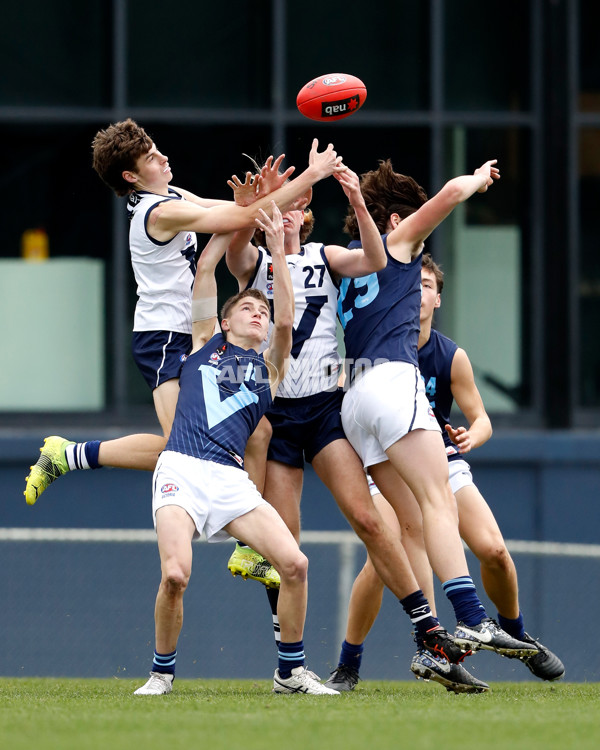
(383, 405)
(212, 494)
(459, 475)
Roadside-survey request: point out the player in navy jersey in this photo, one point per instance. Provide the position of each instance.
(448, 376)
(385, 412)
(306, 411)
(199, 485)
(163, 225)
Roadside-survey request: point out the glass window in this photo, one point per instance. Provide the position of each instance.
(485, 247)
(408, 148)
(589, 61)
(56, 52)
(387, 48)
(589, 268)
(477, 77)
(191, 54)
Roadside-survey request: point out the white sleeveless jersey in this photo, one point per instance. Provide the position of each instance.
(164, 271)
(314, 361)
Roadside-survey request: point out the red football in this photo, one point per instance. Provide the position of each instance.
(331, 97)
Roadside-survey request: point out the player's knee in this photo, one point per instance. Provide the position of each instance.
(367, 523)
(295, 569)
(175, 581)
(495, 555)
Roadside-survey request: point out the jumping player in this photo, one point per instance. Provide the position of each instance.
(448, 376)
(199, 482)
(163, 225)
(385, 412)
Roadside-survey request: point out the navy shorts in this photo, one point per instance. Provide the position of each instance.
(304, 426)
(160, 354)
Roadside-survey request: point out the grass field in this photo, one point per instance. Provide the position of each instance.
(219, 714)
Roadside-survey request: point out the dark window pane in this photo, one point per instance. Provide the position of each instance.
(408, 148)
(387, 48)
(55, 53)
(589, 269)
(191, 54)
(477, 76)
(589, 60)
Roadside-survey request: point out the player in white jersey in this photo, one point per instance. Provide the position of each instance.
(308, 426)
(163, 245)
(199, 482)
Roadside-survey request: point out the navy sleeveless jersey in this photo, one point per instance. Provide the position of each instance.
(435, 364)
(380, 314)
(224, 390)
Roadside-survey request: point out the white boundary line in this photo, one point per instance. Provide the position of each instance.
(345, 538)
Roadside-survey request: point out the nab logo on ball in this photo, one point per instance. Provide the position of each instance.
(331, 97)
(340, 109)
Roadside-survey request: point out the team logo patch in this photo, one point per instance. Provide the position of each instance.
(169, 489)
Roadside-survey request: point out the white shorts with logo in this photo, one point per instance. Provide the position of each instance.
(384, 404)
(459, 475)
(212, 494)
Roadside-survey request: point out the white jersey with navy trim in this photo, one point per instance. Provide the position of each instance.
(314, 360)
(164, 271)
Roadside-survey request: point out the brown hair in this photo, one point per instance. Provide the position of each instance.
(305, 230)
(232, 301)
(386, 192)
(116, 150)
(430, 265)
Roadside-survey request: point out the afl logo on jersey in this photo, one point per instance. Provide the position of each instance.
(183, 358)
(169, 489)
(189, 238)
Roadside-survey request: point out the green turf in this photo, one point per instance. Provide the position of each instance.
(245, 715)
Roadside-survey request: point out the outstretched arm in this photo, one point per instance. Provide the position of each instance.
(406, 238)
(371, 256)
(204, 294)
(280, 343)
(171, 217)
(468, 399)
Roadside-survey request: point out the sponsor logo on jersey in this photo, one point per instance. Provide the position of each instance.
(269, 272)
(169, 489)
(215, 357)
(236, 458)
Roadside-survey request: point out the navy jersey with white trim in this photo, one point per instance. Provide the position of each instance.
(224, 390)
(435, 364)
(380, 313)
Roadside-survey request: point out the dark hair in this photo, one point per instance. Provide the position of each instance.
(116, 150)
(430, 265)
(232, 301)
(386, 192)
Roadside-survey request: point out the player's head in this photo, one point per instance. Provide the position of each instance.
(432, 283)
(117, 149)
(302, 221)
(246, 313)
(386, 192)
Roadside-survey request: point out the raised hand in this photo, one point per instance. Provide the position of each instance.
(245, 193)
(325, 162)
(490, 171)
